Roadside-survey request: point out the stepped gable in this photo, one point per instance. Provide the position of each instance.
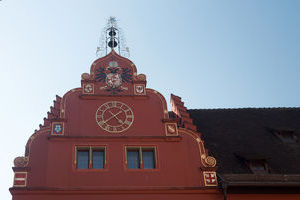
(229, 133)
(52, 115)
(181, 112)
(114, 119)
(112, 129)
(185, 122)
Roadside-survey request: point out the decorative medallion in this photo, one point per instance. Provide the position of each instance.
(114, 117)
(85, 76)
(210, 178)
(21, 161)
(139, 89)
(210, 161)
(57, 128)
(113, 76)
(88, 88)
(140, 77)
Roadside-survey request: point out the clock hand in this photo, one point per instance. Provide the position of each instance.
(115, 115)
(112, 116)
(120, 121)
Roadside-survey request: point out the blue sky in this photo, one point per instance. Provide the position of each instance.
(214, 54)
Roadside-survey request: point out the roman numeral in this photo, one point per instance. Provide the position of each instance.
(114, 104)
(107, 128)
(100, 123)
(129, 116)
(99, 116)
(127, 122)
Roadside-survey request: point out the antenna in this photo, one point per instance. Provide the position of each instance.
(111, 38)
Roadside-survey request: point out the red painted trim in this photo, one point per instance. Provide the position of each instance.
(117, 190)
(118, 138)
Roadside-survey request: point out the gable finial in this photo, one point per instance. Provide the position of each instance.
(112, 38)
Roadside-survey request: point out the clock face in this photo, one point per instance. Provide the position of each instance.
(114, 116)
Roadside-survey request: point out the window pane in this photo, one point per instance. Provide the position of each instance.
(98, 159)
(148, 160)
(133, 159)
(83, 159)
(258, 167)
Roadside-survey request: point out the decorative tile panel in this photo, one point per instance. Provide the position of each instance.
(139, 89)
(57, 128)
(20, 179)
(171, 129)
(88, 88)
(210, 178)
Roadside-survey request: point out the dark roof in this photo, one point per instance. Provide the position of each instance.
(235, 135)
(262, 179)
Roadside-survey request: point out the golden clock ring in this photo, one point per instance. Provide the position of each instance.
(114, 116)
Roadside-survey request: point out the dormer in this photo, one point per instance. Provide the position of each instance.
(285, 135)
(256, 163)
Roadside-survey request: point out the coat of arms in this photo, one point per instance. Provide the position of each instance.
(113, 76)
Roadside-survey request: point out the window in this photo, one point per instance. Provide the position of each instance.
(256, 162)
(286, 136)
(148, 159)
(133, 159)
(141, 157)
(90, 157)
(83, 159)
(258, 166)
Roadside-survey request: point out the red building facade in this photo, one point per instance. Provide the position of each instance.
(112, 138)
